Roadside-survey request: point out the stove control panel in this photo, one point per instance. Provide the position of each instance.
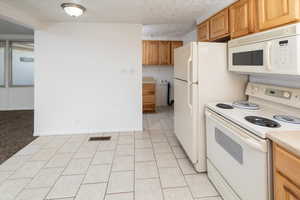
(278, 93)
(286, 96)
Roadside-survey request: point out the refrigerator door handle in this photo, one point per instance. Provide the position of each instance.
(189, 64)
(189, 83)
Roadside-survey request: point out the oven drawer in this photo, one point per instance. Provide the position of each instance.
(221, 184)
(241, 159)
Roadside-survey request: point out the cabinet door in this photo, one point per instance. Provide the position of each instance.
(219, 26)
(203, 31)
(148, 89)
(242, 18)
(275, 13)
(284, 189)
(148, 97)
(150, 52)
(174, 45)
(164, 53)
(286, 163)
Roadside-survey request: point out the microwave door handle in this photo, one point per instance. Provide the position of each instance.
(239, 133)
(268, 56)
(189, 83)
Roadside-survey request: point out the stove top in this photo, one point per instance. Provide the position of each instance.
(261, 121)
(224, 106)
(287, 119)
(245, 105)
(269, 109)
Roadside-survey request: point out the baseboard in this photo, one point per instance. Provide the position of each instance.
(81, 132)
(15, 109)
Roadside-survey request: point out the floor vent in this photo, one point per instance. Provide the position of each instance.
(100, 138)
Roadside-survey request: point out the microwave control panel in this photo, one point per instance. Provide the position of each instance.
(283, 55)
(283, 47)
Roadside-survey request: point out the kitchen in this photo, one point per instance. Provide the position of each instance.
(172, 103)
(263, 47)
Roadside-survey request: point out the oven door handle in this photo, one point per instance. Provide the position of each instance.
(268, 55)
(240, 133)
(189, 83)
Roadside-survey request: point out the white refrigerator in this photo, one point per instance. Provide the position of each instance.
(201, 76)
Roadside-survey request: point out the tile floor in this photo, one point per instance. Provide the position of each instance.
(148, 165)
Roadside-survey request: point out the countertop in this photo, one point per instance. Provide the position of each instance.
(290, 140)
(149, 80)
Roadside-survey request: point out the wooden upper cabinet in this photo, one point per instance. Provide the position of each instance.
(273, 13)
(174, 45)
(150, 52)
(219, 25)
(159, 52)
(203, 31)
(164, 53)
(242, 18)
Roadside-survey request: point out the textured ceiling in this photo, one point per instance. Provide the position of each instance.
(128, 11)
(167, 30)
(161, 17)
(10, 28)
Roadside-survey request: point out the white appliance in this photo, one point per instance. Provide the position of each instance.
(238, 151)
(197, 66)
(276, 51)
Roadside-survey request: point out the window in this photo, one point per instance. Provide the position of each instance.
(22, 63)
(2, 62)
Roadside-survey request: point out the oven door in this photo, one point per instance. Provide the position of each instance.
(252, 58)
(241, 159)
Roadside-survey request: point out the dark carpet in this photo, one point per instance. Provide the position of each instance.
(16, 131)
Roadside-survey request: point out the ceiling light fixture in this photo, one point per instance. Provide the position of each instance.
(73, 9)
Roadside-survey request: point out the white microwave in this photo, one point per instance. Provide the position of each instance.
(276, 51)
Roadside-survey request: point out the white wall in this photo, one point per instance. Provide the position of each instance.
(190, 37)
(15, 98)
(18, 98)
(88, 78)
(175, 38)
(278, 80)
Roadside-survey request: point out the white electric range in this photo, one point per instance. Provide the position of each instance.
(239, 154)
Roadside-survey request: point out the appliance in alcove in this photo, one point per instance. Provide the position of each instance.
(170, 101)
(200, 76)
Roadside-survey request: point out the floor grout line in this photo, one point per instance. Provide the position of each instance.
(110, 171)
(160, 183)
(25, 187)
(46, 162)
(64, 168)
(90, 164)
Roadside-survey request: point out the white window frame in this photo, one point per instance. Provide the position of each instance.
(10, 68)
(4, 42)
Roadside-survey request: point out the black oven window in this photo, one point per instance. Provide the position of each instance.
(249, 58)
